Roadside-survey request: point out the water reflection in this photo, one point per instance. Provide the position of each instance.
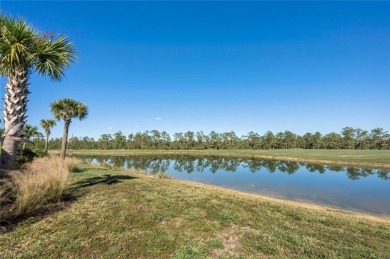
(351, 188)
(190, 164)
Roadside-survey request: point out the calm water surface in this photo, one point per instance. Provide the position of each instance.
(356, 189)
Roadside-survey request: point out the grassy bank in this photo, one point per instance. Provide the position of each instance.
(364, 158)
(118, 214)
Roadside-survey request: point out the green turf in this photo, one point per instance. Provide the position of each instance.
(118, 214)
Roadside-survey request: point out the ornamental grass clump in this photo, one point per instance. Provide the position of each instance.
(71, 164)
(5, 195)
(41, 182)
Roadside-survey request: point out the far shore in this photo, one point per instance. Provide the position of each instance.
(357, 158)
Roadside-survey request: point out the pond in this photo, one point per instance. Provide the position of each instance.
(349, 188)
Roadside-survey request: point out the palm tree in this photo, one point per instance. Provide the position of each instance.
(27, 132)
(47, 125)
(23, 51)
(67, 109)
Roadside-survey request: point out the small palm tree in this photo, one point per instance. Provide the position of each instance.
(22, 51)
(67, 109)
(47, 125)
(28, 132)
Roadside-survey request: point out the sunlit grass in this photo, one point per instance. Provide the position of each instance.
(131, 215)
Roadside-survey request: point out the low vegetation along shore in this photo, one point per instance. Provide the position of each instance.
(362, 158)
(110, 213)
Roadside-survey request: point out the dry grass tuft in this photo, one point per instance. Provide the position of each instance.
(71, 164)
(40, 182)
(5, 194)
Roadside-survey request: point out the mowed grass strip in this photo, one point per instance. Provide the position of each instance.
(364, 158)
(118, 214)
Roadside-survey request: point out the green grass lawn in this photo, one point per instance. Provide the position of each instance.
(118, 214)
(375, 158)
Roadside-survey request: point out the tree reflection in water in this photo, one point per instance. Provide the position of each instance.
(189, 164)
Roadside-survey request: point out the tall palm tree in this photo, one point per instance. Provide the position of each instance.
(47, 125)
(67, 109)
(23, 51)
(28, 132)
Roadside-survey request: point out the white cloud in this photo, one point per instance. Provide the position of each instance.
(136, 126)
(110, 128)
(157, 118)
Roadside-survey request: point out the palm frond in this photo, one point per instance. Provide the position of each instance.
(22, 45)
(16, 42)
(29, 131)
(67, 109)
(52, 57)
(47, 124)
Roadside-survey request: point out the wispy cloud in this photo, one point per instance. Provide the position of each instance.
(110, 128)
(158, 119)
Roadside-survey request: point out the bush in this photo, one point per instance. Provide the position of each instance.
(28, 155)
(40, 152)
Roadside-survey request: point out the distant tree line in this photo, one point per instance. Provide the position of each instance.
(348, 138)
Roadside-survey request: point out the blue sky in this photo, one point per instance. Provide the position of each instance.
(241, 66)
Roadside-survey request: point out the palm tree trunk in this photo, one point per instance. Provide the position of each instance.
(8, 152)
(65, 139)
(46, 142)
(15, 101)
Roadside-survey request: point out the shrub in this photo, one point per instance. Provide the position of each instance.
(28, 155)
(40, 152)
